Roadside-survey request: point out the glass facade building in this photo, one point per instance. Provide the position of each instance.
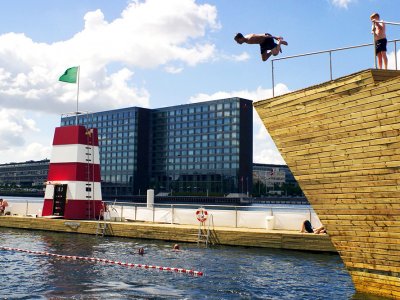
(193, 149)
(24, 174)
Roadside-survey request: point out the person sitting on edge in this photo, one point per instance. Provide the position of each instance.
(379, 32)
(266, 41)
(3, 205)
(307, 227)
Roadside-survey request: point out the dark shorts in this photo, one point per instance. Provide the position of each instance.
(267, 44)
(308, 227)
(380, 45)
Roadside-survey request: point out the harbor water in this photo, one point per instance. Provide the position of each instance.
(229, 272)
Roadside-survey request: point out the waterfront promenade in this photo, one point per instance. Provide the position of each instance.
(279, 239)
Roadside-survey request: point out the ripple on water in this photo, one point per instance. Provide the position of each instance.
(230, 272)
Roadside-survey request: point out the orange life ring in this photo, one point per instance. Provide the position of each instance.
(201, 215)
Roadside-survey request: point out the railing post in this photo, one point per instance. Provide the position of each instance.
(154, 212)
(330, 63)
(236, 217)
(172, 214)
(27, 205)
(273, 79)
(135, 212)
(395, 54)
(122, 212)
(373, 37)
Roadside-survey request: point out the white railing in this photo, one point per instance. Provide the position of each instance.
(283, 218)
(330, 51)
(263, 217)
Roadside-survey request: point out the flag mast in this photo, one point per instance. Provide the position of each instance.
(77, 93)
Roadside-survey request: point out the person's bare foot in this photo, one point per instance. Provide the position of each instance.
(281, 41)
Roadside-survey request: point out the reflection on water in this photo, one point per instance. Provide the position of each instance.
(229, 272)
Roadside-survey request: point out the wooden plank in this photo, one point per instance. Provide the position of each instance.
(341, 141)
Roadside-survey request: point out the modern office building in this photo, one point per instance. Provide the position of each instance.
(193, 149)
(24, 174)
(274, 179)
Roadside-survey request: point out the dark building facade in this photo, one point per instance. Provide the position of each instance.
(24, 174)
(274, 179)
(202, 148)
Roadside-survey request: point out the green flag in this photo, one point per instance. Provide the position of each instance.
(69, 75)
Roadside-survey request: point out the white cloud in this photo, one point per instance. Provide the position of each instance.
(13, 127)
(392, 60)
(258, 94)
(173, 69)
(241, 57)
(342, 3)
(147, 34)
(264, 149)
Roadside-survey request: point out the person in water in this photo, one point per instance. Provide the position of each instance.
(176, 247)
(267, 43)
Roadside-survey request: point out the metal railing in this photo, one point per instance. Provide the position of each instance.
(330, 51)
(119, 208)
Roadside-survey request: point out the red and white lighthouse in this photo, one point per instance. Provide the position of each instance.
(73, 189)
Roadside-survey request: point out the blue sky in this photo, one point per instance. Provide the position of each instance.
(157, 53)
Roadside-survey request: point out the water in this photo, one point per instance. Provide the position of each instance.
(229, 272)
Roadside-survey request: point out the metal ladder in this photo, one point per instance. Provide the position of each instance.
(204, 235)
(90, 171)
(102, 225)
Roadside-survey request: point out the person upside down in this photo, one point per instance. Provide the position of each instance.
(267, 43)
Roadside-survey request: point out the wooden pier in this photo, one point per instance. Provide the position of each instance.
(278, 239)
(341, 141)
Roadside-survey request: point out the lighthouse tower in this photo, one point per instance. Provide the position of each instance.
(73, 189)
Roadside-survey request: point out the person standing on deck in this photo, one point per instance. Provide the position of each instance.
(379, 32)
(266, 41)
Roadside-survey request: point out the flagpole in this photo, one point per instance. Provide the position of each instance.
(77, 94)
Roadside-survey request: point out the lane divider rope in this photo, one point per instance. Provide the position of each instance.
(107, 261)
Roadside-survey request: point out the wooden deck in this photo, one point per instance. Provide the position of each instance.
(341, 141)
(181, 233)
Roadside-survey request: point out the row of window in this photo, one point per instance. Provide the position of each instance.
(118, 167)
(211, 118)
(117, 145)
(197, 147)
(108, 155)
(117, 178)
(231, 105)
(116, 129)
(198, 130)
(200, 124)
(212, 138)
(184, 160)
(203, 167)
(101, 120)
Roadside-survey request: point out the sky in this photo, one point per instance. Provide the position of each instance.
(158, 53)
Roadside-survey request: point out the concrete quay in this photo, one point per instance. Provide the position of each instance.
(278, 239)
